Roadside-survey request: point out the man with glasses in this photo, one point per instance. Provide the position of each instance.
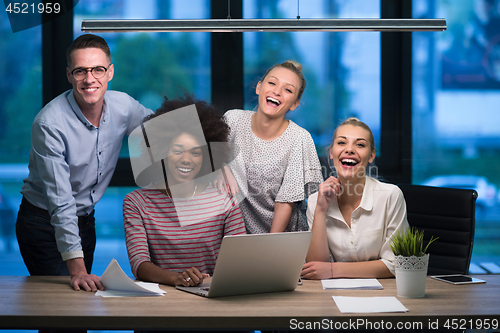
(75, 143)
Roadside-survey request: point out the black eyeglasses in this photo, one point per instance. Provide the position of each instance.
(97, 72)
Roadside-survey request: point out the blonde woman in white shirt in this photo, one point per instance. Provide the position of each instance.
(353, 216)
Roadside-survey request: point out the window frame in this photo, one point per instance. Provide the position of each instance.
(394, 161)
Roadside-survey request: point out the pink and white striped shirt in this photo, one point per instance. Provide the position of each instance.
(178, 239)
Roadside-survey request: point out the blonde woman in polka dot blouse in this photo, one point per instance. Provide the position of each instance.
(275, 162)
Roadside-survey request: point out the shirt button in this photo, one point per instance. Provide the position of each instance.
(352, 242)
(100, 153)
(94, 192)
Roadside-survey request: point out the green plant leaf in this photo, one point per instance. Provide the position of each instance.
(409, 242)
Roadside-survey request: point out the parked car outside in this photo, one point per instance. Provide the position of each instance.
(486, 192)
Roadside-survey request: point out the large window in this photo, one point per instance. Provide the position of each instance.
(342, 69)
(456, 94)
(455, 88)
(21, 99)
(148, 66)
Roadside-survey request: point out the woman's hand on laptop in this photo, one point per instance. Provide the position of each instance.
(190, 277)
(317, 270)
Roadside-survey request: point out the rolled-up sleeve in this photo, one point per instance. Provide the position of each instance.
(303, 172)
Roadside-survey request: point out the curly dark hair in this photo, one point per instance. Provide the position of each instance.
(215, 129)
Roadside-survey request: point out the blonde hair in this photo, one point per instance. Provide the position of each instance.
(294, 67)
(353, 121)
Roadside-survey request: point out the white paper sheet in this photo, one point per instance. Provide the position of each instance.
(118, 284)
(368, 304)
(351, 284)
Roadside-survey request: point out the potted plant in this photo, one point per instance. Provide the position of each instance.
(411, 262)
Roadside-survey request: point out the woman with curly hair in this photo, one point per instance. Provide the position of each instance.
(175, 225)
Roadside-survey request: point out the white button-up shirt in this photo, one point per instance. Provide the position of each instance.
(382, 211)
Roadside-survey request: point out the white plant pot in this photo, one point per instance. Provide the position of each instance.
(411, 274)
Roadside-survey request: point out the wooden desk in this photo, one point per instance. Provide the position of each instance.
(49, 302)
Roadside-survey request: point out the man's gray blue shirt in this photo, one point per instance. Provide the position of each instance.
(72, 161)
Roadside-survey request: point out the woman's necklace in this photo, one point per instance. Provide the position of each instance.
(189, 199)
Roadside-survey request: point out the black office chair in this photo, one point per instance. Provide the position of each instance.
(446, 213)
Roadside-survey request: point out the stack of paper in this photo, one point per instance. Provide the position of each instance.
(118, 284)
(368, 304)
(351, 284)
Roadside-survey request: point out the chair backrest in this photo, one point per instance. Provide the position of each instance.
(446, 213)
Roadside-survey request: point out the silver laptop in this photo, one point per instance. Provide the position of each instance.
(257, 263)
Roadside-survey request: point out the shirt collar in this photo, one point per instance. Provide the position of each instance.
(367, 199)
(365, 204)
(334, 211)
(79, 114)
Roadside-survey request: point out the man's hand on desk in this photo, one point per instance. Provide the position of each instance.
(80, 278)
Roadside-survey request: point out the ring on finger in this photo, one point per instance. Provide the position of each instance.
(188, 279)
